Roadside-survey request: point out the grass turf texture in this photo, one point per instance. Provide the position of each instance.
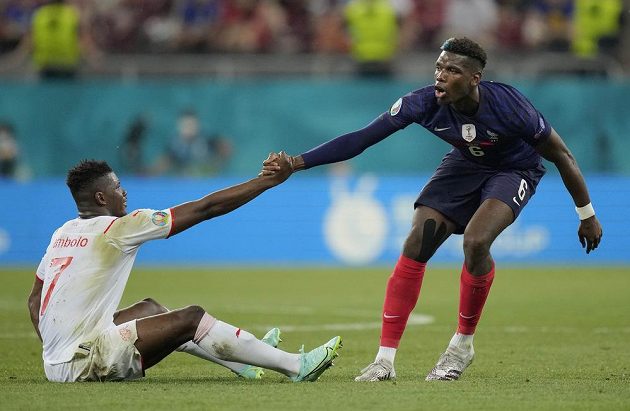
(550, 338)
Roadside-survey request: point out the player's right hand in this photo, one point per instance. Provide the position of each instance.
(590, 233)
(270, 165)
(278, 167)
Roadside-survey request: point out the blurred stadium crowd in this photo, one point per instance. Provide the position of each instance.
(585, 27)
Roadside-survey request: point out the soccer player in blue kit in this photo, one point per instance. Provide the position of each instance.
(478, 190)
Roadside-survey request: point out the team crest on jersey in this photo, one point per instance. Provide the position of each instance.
(469, 132)
(159, 218)
(494, 137)
(396, 107)
(541, 128)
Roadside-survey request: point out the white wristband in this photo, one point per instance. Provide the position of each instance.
(585, 212)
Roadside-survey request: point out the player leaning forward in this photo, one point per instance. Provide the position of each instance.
(478, 190)
(81, 278)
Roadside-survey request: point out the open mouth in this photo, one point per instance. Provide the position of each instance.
(440, 91)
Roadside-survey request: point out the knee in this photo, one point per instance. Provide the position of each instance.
(192, 314)
(153, 306)
(475, 246)
(423, 240)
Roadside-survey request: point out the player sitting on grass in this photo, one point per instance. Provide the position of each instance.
(479, 189)
(81, 278)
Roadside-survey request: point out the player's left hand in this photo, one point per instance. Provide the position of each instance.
(272, 164)
(590, 233)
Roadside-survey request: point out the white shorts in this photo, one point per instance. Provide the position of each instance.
(111, 356)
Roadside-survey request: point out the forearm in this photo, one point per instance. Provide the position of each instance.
(226, 200)
(554, 150)
(573, 180)
(33, 308)
(218, 203)
(345, 146)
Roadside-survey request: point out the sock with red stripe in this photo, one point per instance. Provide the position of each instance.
(473, 292)
(403, 289)
(228, 343)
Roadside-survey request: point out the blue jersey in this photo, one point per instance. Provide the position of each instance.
(501, 134)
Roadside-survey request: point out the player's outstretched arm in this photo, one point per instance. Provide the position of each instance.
(34, 302)
(340, 148)
(228, 199)
(554, 150)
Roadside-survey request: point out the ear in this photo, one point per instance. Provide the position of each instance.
(100, 198)
(475, 79)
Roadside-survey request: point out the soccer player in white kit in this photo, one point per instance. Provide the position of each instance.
(81, 278)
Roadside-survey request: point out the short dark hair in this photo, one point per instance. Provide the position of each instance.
(84, 175)
(466, 47)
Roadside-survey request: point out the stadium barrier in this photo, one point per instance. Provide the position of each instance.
(59, 123)
(315, 220)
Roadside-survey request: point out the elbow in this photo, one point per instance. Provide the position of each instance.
(566, 160)
(561, 158)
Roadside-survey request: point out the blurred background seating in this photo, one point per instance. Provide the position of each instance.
(236, 37)
(265, 75)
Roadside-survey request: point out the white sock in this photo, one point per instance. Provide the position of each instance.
(229, 343)
(462, 341)
(193, 349)
(386, 353)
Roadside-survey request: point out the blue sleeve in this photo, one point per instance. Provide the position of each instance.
(539, 130)
(352, 144)
(529, 124)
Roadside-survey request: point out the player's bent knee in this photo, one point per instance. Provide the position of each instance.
(154, 305)
(192, 313)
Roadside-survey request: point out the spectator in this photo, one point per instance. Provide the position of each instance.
(57, 41)
(192, 154)
(597, 27)
(299, 30)
(374, 31)
(329, 36)
(422, 25)
(200, 19)
(251, 26)
(510, 24)
(15, 19)
(162, 27)
(132, 156)
(220, 153)
(10, 166)
(476, 19)
(547, 25)
(117, 28)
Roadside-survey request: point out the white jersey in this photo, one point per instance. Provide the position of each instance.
(85, 270)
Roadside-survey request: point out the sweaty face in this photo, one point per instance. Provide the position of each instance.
(455, 78)
(115, 195)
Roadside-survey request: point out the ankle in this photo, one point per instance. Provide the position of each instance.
(386, 353)
(462, 342)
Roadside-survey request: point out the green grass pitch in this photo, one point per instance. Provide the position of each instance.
(550, 339)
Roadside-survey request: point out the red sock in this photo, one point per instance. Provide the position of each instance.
(473, 291)
(403, 289)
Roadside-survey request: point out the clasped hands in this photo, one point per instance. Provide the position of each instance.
(278, 166)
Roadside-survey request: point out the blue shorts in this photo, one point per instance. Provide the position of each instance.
(459, 186)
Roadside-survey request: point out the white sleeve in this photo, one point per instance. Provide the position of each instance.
(41, 268)
(128, 232)
(41, 272)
